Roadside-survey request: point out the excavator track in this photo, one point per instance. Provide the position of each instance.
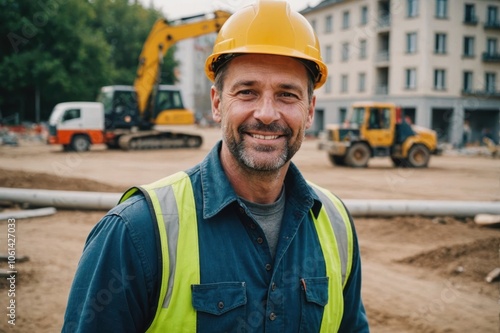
(158, 140)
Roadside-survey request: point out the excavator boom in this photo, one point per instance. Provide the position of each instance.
(162, 36)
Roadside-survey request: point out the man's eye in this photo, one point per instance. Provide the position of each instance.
(287, 94)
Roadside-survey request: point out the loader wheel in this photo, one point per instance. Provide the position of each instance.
(358, 155)
(80, 143)
(418, 156)
(337, 160)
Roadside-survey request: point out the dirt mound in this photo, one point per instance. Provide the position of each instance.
(32, 180)
(470, 261)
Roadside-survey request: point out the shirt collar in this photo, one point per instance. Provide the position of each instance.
(218, 192)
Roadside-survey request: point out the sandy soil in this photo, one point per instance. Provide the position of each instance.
(421, 274)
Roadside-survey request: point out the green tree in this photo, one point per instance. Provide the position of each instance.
(64, 50)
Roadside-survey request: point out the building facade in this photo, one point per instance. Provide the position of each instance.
(438, 59)
(190, 73)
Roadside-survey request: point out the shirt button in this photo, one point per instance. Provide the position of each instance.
(252, 226)
(268, 267)
(272, 316)
(273, 286)
(260, 240)
(220, 305)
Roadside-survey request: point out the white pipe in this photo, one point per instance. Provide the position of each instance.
(61, 199)
(24, 214)
(357, 207)
(421, 207)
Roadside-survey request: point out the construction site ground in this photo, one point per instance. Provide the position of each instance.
(420, 274)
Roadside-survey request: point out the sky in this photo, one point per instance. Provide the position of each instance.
(175, 9)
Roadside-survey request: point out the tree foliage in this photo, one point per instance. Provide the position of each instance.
(65, 50)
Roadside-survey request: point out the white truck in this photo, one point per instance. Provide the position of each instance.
(77, 125)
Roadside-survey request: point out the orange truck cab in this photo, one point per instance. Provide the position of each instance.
(77, 125)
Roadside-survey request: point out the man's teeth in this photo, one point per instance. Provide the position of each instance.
(265, 137)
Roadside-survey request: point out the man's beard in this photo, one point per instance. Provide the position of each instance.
(244, 156)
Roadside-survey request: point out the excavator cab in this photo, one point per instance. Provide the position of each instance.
(169, 108)
(120, 107)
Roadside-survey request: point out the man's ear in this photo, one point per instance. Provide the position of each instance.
(310, 112)
(215, 98)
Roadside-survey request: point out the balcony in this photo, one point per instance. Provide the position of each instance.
(494, 25)
(471, 20)
(383, 56)
(384, 22)
(382, 89)
(481, 93)
(491, 57)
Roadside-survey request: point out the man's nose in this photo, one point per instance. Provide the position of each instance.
(267, 111)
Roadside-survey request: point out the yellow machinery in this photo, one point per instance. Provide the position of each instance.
(375, 129)
(162, 36)
(129, 113)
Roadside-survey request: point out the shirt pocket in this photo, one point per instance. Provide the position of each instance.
(313, 300)
(220, 306)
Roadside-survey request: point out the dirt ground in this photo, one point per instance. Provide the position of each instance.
(420, 274)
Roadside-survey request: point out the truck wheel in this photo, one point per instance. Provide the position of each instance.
(80, 143)
(337, 160)
(418, 156)
(358, 155)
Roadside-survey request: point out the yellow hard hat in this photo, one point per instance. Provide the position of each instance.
(268, 27)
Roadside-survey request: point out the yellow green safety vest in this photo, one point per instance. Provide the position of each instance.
(173, 203)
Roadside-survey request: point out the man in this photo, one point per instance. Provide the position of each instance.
(240, 242)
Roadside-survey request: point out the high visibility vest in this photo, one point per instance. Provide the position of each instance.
(173, 204)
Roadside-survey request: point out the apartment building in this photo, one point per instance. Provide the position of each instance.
(190, 73)
(438, 59)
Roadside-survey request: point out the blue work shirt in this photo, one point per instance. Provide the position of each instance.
(117, 282)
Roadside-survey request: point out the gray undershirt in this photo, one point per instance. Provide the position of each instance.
(269, 217)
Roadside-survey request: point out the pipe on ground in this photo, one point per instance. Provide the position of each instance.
(357, 207)
(61, 199)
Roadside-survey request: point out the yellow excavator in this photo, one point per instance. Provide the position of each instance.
(163, 35)
(124, 116)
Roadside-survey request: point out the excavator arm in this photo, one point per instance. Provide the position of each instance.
(162, 36)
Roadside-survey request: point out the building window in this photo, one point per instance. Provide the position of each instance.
(490, 82)
(411, 78)
(329, 24)
(328, 54)
(362, 49)
(411, 42)
(440, 43)
(467, 81)
(328, 84)
(470, 14)
(468, 46)
(342, 114)
(361, 82)
(441, 8)
(439, 79)
(492, 16)
(345, 52)
(364, 15)
(412, 8)
(491, 46)
(343, 83)
(345, 20)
